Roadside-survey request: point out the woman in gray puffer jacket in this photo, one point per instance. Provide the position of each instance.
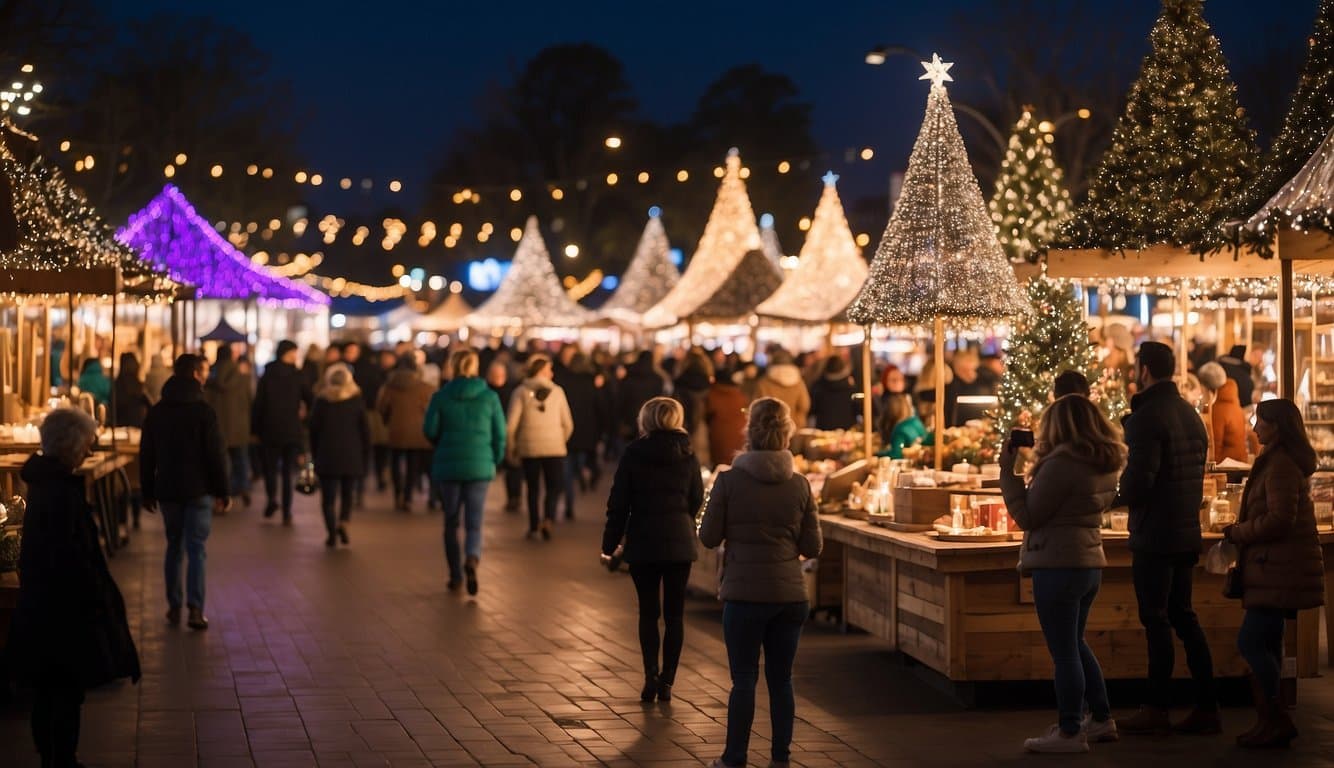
(1071, 483)
(765, 513)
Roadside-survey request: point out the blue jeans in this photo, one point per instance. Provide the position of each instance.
(1261, 644)
(238, 458)
(469, 499)
(748, 627)
(188, 523)
(1063, 597)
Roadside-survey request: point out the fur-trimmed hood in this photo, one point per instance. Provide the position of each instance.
(784, 374)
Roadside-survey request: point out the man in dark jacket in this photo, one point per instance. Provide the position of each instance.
(280, 402)
(642, 383)
(1163, 486)
(500, 382)
(183, 471)
(229, 392)
(1234, 363)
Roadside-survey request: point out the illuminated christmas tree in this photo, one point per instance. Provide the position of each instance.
(1030, 201)
(531, 295)
(1179, 151)
(939, 257)
(1046, 341)
(1309, 122)
(831, 269)
(729, 235)
(650, 276)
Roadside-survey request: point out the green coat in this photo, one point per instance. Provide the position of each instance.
(95, 382)
(906, 433)
(466, 425)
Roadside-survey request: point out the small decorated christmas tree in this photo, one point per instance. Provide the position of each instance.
(1030, 202)
(531, 294)
(650, 276)
(1045, 342)
(1180, 150)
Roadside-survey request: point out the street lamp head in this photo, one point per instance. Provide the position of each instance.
(613, 142)
(876, 56)
(1084, 113)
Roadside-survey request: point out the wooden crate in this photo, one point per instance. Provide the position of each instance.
(923, 505)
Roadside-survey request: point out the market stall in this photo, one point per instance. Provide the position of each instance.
(530, 298)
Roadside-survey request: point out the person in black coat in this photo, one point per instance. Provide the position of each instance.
(831, 397)
(1163, 486)
(131, 401)
(654, 498)
(581, 392)
(69, 631)
(1235, 365)
(642, 383)
(280, 399)
(183, 472)
(340, 443)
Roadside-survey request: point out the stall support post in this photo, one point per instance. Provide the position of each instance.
(1183, 300)
(938, 428)
(868, 373)
(1287, 374)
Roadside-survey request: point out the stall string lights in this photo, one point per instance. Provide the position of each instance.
(729, 234)
(171, 234)
(1178, 150)
(1305, 202)
(341, 287)
(530, 296)
(939, 256)
(1030, 202)
(830, 271)
(650, 276)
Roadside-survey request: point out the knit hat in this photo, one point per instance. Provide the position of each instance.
(835, 368)
(284, 347)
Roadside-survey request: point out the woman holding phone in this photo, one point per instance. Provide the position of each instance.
(1071, 481)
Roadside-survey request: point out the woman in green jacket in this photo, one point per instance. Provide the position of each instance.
(466, 424)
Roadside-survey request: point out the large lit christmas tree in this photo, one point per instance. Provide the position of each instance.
(650, 276)
(1309, 121)
(1046, 341)
(939, 257)
(1179, 151)
(1030, 202)
(531, 295)
(829, 273)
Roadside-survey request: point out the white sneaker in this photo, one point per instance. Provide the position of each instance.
(1099, 733)
(1056, 742)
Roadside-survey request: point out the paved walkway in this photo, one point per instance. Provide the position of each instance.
(360, 657)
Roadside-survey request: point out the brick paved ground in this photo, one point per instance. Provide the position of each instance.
(359, 657)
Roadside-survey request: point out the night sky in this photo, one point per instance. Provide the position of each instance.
(387, 82)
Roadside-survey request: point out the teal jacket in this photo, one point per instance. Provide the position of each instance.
(95, 382)
(466, 425)
(906, 433)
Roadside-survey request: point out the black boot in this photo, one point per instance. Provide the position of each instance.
(650, 691)
(664, 690)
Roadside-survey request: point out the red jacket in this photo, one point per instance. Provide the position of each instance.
(1231, 431)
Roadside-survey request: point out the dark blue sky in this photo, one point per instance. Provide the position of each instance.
(386, 82)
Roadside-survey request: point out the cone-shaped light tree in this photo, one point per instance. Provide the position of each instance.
(939, 257)
(830, 272)
(650, 276)
(728, 235)
(1180, 150)
(531, 295)
(1046, 341)
(1030, 202)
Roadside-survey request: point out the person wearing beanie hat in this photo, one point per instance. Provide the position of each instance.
(831, 396)
(276, 421)
(1229, 431)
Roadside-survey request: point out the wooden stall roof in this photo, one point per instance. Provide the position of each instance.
(96, 281)
(1172, 262)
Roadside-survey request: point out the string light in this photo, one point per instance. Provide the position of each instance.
(516, 194)
(395, 186)
(939, 256)
(650, 276)
(215, 171)
(531, 295)
(181, 158)
(830, 271)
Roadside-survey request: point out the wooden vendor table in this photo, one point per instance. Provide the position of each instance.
(966, 612)
(101, 471)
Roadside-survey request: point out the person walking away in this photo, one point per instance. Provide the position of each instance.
(1282, 570)
(366, 374)
(158, 373)
(1230, 431)
(1071, 483)
(691, 390)
(281, 400)
(94, 381)
(131, 402)
(538, 426)
(642, 383)
(498, 379)
(764, 512)
(312, 365)
(1163, 486)
(782, 380)
(69, 631)
(230, 392)
(385, 362)
(581, 459)
(466, 424)
(655, 495)
(832, 405)
(340, 445)
(725, 417)
(183, 471)
(402, 405)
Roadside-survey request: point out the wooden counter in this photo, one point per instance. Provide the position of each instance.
(965, 611)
